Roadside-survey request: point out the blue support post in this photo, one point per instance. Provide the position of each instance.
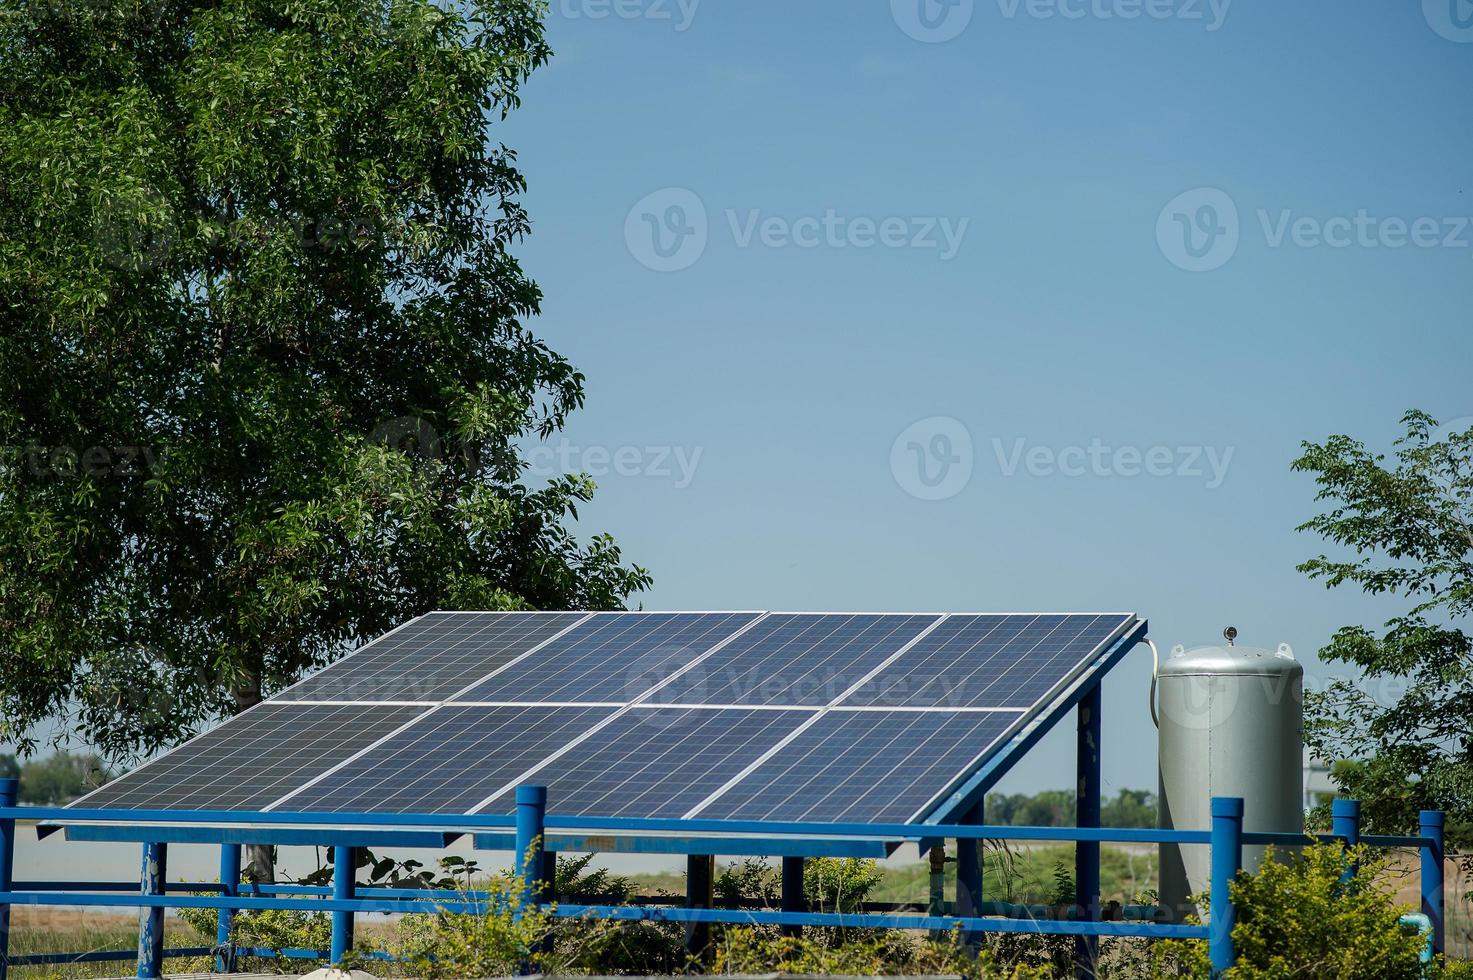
(225, 918)
(8, 789)
(969, 875)
(1227, 861)
(531, 836)
(344, 871)
(793, 899)
(1432, 884)
(151, 920)
(1345, 823)
(531, 832)
(1087, 853)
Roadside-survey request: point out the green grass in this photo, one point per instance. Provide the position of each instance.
(62, 931)
(1027, 875)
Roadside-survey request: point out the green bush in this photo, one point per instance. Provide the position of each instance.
(749, 950)
(1296, 919)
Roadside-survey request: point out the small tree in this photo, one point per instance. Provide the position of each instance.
(1409, 526)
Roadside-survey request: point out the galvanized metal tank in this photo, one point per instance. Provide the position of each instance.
(1231, 724)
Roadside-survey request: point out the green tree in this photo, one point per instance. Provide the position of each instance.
(60, 778)
(264, 362)
(1407, 526)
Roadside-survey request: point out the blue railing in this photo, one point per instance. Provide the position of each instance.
(531, 822)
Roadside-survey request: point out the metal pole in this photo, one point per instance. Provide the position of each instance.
(793, 899)
(8, 790)
(936, 904)
(1432, 885)
(1087, 814)
(225, 918)
(1227, 861)
(969, 875)
(1345, 824)
(344, 870)
(531, 834)
(700, 885)
(151, 920)
(531, 826)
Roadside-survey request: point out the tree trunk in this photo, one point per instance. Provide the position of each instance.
(260, 858)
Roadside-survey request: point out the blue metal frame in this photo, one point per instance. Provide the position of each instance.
(8, 790)
(742, 846)
(1227, 861)
(153, 897)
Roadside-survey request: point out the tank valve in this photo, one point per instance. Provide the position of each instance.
(1230, 634)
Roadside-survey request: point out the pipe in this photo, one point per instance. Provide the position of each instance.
(1423, 925)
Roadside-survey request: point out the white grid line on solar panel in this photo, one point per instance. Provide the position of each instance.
(357, 755)
(655, 762)
(511, 785)
(1088, 672)
(735, 780)
(584, 666)
(447, 759)
(363, 649)
(249, 759)
(948, 669)
(798, 658)
(434, 657)
(862, 767)
(1053, 649)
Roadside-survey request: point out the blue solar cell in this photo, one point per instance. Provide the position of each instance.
(431, 658)
(995, 661)
(864, 766)
(253, 758)
(795, 659)
(612, 657)
(659, 762)
(448, 761)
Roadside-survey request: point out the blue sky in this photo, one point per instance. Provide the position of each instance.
(997, 305)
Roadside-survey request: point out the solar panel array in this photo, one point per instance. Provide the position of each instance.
(822, 717)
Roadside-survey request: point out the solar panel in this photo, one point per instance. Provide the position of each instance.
(862, 766)
(775, 716)
(448, 761)
(1001, 661)
(253, 758)
(431, 658)
(659, 762)
(796, 659)
(611, 658)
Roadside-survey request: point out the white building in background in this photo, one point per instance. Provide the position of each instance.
(1318, 786)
